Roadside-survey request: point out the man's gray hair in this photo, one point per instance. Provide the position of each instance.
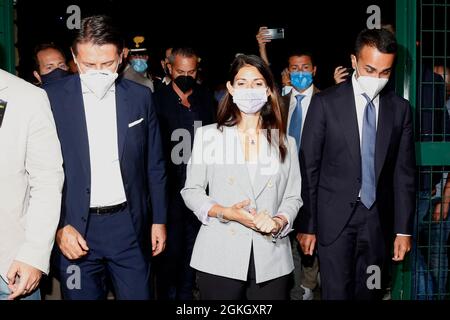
(182, 51)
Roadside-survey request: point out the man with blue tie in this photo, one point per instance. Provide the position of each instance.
(358, 174)
(302, 69)
(114, 164)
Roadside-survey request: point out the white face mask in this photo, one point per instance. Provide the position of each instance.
(250, 101)
(372, 86)
(98, 81)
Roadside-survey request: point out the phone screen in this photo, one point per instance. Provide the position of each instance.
(277, 33)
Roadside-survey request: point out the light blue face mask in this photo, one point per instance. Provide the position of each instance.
(139, 65)
(301, 80)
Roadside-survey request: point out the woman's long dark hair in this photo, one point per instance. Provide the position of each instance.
(229, 114)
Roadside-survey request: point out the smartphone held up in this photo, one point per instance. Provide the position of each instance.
(276, 33)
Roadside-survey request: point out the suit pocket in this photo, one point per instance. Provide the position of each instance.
(135, 123)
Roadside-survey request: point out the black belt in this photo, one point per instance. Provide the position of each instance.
(108, 210)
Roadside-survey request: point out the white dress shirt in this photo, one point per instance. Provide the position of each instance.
(308, 93)
(101, 120)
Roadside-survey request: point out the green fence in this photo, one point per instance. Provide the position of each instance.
(422, 31)
(406, 12)
(7, 52)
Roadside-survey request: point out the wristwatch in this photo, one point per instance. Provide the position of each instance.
(221, 218)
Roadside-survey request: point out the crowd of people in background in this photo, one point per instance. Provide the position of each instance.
(143, 213)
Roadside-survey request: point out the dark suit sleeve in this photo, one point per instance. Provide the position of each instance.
(156, 171)
(404, 178)
(313, 139)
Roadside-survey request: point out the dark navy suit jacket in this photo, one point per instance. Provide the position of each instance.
(140, 154)
(330, 160)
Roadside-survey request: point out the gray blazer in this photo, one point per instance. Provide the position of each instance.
(217, 163)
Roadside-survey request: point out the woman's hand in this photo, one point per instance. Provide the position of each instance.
(239, 214)
(266, 224)
(236, 213)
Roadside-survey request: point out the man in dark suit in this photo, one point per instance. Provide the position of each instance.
(114, 163)
(358, 172)
(302, 70)
(181, 106)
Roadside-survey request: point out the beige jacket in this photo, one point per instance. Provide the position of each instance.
(31, 176)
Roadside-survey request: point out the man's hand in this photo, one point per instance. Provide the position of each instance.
(402, 245)
(159, 236)
(340, 74)
(437, 211)
(307, 243)
(23, 279)
(263, 37)
(71, 243)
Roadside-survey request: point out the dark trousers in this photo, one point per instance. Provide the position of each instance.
(214, 287)
(114, 257)
(347, 264)
(175, 279)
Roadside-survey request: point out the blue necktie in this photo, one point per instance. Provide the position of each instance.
(295, 127)
(369, 134)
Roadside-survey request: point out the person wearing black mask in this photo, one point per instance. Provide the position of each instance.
(181, 106)
(50, 63)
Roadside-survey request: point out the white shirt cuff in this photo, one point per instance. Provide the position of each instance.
(202, 214)
(403, 235)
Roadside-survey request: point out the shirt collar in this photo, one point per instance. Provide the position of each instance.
(166, 80)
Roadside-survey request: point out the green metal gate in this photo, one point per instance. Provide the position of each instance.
(7, 51)
(422, 31)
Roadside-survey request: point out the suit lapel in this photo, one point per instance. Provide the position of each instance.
(384, 130)
(123, 115)
(267, 166)
(346, 114)
(315, 90)
(74, 105)
(285, 102)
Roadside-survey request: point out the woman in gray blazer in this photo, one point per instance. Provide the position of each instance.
(251, 170)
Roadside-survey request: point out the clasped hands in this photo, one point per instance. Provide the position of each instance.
(262, 222)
